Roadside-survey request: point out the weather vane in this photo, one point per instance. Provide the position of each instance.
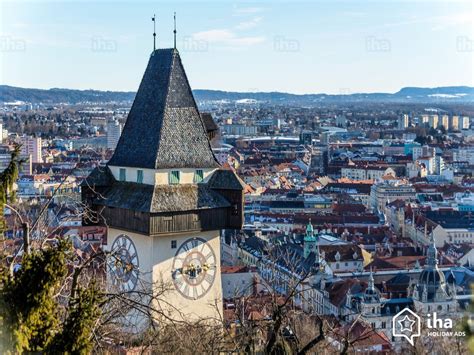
(174, 31)
(154, 32)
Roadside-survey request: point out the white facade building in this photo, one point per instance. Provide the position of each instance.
(389, 191)
(114, 130)
(465, 122)
(464, 154)
(369, 173)
(32, 146)
(5, 157)
(403, 122)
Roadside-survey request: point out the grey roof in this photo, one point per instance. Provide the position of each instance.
(452, 219)
(99, 176)
(164, 129)
(161, 198)
(209, 122)
(399, 279)
(288, 255)
(225, 179)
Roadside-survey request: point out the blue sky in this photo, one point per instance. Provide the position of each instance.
(300, 47)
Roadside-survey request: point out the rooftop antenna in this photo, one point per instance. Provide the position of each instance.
(174, 31)
(154, 32)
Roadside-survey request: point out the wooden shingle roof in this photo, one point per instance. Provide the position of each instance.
(164, 129)
(161, 198)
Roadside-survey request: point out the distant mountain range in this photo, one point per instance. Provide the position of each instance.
(455, 94)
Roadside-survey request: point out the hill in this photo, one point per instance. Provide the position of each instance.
(455, 94)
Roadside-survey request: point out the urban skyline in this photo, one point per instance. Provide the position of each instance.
(338, 47)
(172, 220)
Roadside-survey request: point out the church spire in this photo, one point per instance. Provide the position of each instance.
(432, 254)
(371, 294)
(371, 285)
(309, 229)
(310, 243)
(432, 282)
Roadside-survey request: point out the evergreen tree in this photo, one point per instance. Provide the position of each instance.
(33, 318)
(28, 303)
(7, 181)
(75, 337)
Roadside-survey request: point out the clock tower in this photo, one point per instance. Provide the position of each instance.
(164, 197)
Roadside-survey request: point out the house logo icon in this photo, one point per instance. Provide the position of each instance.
(406, 324)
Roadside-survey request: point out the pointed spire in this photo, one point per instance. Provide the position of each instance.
(415, 293)
(417, 264)
(311, 243)
(164, 114)
(309, 229)
(349, 298)
(174, 31)
(432, 253)
(371, 285)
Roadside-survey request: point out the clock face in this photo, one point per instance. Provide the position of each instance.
(194, 268)
(123, 263)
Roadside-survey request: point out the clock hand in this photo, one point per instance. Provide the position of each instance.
(180, 270)
(206, 267)
(129, 267)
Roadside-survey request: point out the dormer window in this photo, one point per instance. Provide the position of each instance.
(140, 176)
(122, 174)
(198, 176)
(174, 177)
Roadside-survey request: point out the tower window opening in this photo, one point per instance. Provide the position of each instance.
(174, 177)
(140, 176)
(122, 174)
(198, 176)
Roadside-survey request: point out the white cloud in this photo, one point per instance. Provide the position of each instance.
(248, 41)
(246, 25)
(225, 37)
(247, 10)
(213, 35)
(232, 37)
(438, 22)
(443, 22)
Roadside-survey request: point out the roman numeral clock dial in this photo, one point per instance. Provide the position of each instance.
(194, 268)
(123, 264)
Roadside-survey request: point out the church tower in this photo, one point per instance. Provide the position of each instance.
(310, 244)
(370, 303)
(164, 197)
(432, 293)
